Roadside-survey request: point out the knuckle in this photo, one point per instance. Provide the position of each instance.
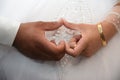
(75, 55)
(58, 56)
(88, 54)
(60, 50)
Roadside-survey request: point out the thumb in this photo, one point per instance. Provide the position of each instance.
(51, 25)
(70, 25)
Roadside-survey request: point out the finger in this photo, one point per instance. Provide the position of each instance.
(47, 53)
(73, 42)
(61, 46)
(53, 41)
(60, 20)
(51, 48)
(81, 45)
(50, 25)
(59, 50)
(72, 45)
(70, 25)
(69, 50)
(75, 38)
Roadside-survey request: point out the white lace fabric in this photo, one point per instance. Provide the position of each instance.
(114, 17)
(104, 65)
(69, 12)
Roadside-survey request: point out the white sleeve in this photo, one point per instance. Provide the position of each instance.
(8, 31)
(114, 17)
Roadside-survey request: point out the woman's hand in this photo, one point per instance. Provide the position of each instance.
(31, 41)
(89, 41)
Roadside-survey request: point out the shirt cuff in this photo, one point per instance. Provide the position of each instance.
(8, 31)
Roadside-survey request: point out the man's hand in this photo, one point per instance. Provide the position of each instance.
(31, 41)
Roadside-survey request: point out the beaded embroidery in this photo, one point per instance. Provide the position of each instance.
(114, 17)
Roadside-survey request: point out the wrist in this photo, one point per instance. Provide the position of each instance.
(109, 30)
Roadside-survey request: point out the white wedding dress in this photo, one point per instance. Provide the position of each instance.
(104, 65)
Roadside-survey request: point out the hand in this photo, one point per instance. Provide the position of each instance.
(89, 42)
(31, 41)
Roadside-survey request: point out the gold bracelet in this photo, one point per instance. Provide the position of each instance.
(104, 43)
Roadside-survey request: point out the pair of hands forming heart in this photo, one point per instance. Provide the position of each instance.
(31, 40)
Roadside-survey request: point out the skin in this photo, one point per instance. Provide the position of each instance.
(31, 41)
(89, 42)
